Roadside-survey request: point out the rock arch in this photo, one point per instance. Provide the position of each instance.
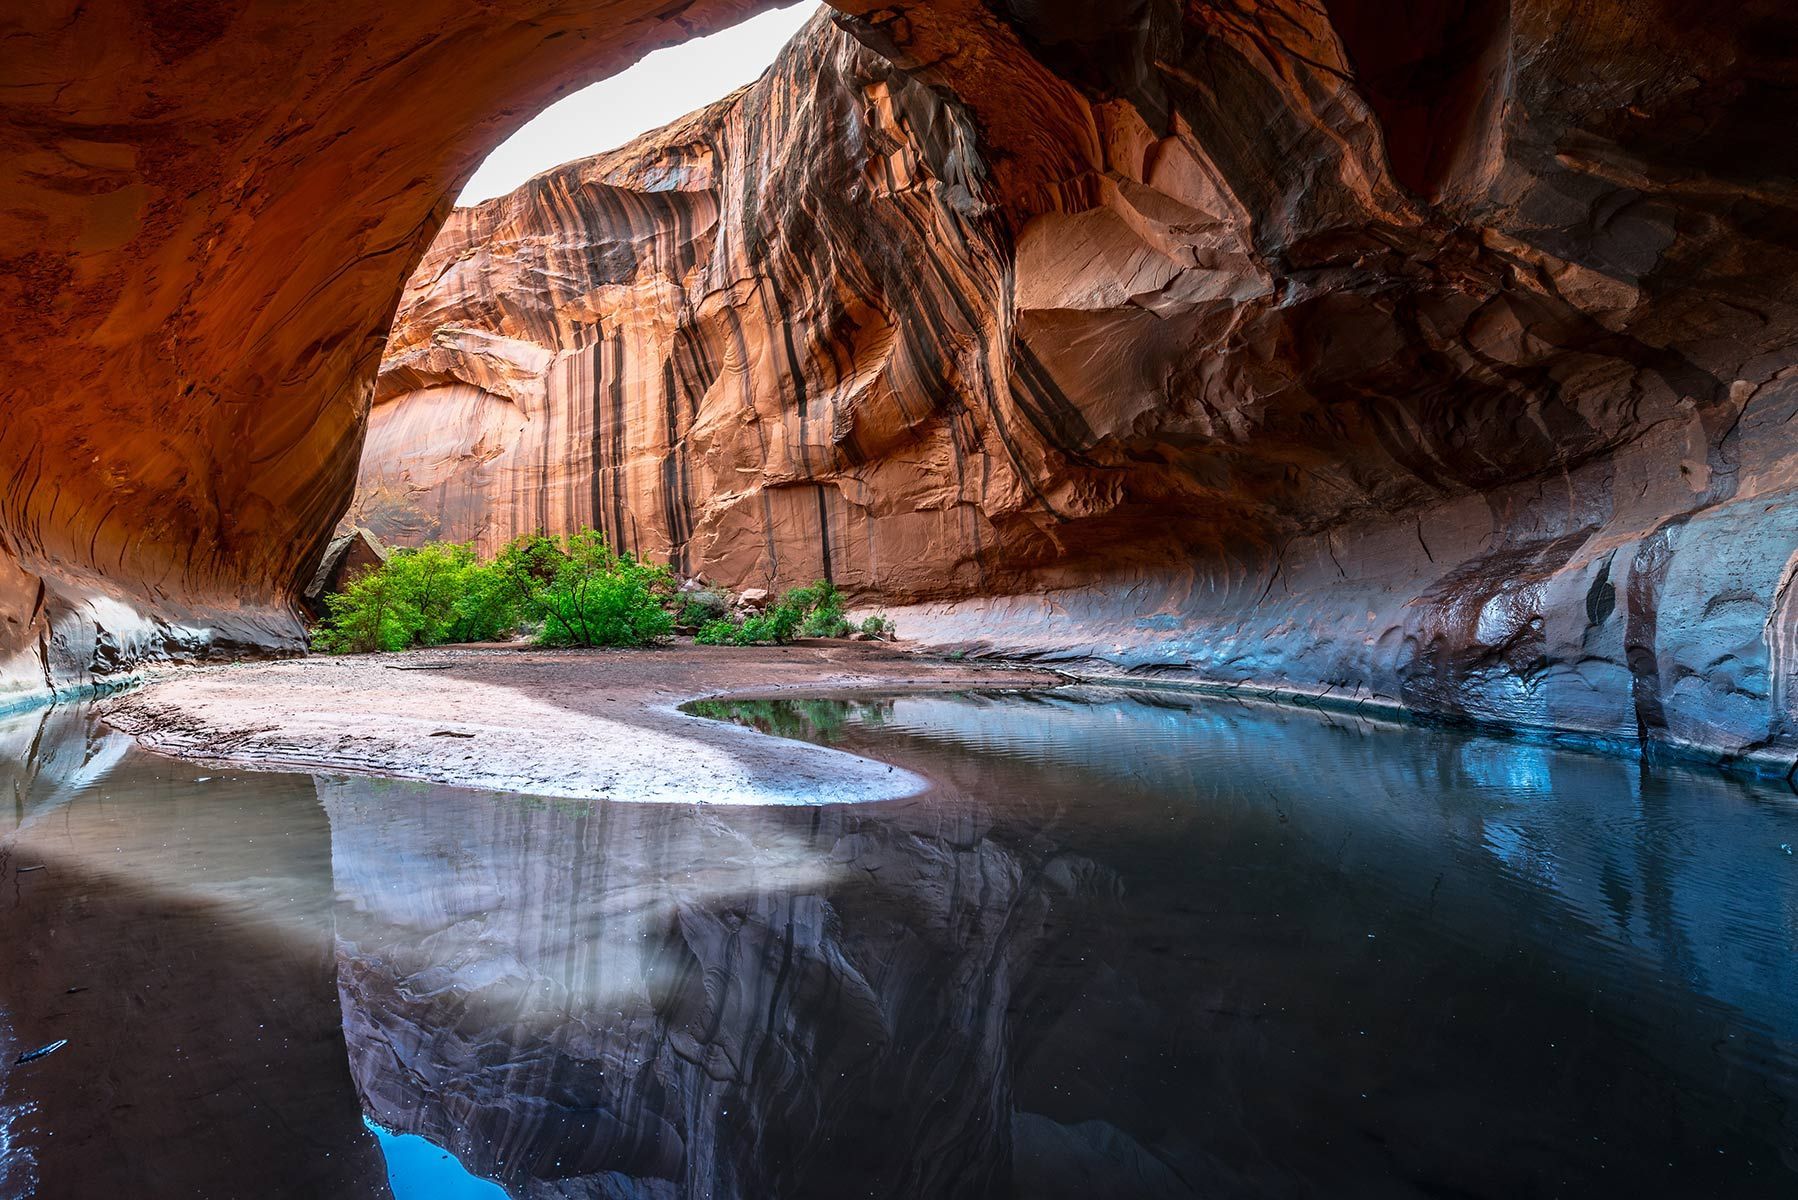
(1345, 348)
(211, 208)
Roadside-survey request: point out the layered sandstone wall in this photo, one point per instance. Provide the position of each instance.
(1444, 359)
(758, 343)
(1442, 353)
(210, 209)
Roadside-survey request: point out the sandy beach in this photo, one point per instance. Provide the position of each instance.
(581, 724)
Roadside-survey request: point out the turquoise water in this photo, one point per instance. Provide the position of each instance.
(419, 1170)
(1128, 945)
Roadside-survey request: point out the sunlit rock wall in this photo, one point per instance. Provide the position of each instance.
(209, 212)
(1441, 353)
(1444, 358)
(748, 344)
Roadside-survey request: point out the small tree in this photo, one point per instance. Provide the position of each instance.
(596, 597)
(362, 618)
(424, 597)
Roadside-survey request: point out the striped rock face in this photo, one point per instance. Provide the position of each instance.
(1442, 355)
(766, 342)
(208, 210)
(1295, 346)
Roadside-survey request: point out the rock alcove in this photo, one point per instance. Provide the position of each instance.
(1440, 354)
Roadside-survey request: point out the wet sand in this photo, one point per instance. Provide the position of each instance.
(573, 723)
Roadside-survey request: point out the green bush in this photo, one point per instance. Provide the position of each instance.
(821, 609)
(699, 610)
(721, 632)
(416, 598)
(879, 626)
(596, 597)
(776, 626)
(576, 589)
(365, 616)
(814, 611)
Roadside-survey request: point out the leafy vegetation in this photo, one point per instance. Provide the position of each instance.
(576, 591)
(586, 594)
(695, 614)
(424, 597)
(822, 607)
(571, 591)
(814, 611)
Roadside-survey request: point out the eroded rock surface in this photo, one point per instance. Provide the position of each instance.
(762, 342)
(210, 210)
(1443, 354)
(1445, 358)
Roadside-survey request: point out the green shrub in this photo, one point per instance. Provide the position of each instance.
(879, 626)
(821, 609)
(597, 597)
(415, 598)
(576, 589)
(777, 625)
(695, 612)
(363, 617)
(721, 632)
(815, 611)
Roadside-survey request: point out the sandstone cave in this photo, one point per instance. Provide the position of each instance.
(1314, 481)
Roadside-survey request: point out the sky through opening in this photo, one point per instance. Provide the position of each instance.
(667, 84)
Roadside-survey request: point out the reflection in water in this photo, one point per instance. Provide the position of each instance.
(1128, 946)
(174, 925)
(420, 1170)
(684, 1001)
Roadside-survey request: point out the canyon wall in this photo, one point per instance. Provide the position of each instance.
(1440, 355)
(210, 210)
(1440, 359)
(760, 343)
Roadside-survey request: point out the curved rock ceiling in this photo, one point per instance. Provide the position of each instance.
(1441, 355)
(209, 209)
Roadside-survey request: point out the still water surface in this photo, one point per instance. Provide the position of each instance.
(1127, 946)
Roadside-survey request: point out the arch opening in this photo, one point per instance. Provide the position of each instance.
(1192, 336)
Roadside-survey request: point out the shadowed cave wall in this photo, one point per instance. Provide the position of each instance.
(1439, 352)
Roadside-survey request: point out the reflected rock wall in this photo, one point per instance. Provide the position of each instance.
(1444, 357)
(1258, 951)
(174, 930)
(646, 1000)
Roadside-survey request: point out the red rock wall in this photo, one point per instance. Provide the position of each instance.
(1440, 353)
(760, 343)
(1316, 348)
(207, 212)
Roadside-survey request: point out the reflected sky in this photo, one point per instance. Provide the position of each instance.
(418, 1170)
(1125, 945)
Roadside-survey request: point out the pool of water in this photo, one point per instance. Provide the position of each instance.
(1128, 945)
